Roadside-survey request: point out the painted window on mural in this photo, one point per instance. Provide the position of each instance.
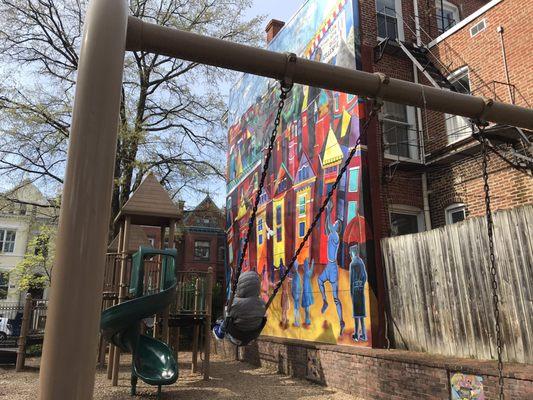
(301, 205)
(353, 180)
(201, 250)
(352, 210)
(260, 238)
(278, 234)
(278, 215)
(260, 224)
(302, 229)
(4, 285)
(7, 240)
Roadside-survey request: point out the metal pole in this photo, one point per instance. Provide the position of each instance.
(111, 357)
(69, 360)
(122, 288)
(24, 328)
(499, 29)
(207, 326)
(171, 42)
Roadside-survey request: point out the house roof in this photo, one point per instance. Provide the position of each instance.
(304, 162)
(149, 204)
(137, 238)
(332, 151)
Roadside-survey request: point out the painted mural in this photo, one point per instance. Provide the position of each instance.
(466, 387)
(326, 297)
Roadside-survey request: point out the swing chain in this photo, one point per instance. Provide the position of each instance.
(375, 109)
(493, 272)
(285, 88)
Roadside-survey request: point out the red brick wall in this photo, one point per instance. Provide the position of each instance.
(382, 374)
(191, 264)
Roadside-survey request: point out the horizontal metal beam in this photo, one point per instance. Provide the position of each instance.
(143, 36)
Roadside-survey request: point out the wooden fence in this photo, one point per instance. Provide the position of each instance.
(439, 288)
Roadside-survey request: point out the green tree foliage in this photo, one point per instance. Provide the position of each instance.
(171, 113)
(35, 270)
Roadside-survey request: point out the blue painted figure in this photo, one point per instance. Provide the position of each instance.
(331, 271)
(307, 293)
(358, 279)
(296, 290)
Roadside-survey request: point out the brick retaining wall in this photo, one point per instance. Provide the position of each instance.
(378, 373)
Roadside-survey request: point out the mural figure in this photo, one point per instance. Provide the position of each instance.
(265, 285)
(331, 271)
(296, 290)
(358, 279)
(307, 293)
(285, 302)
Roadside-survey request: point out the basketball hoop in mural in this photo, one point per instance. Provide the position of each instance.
(357, 231)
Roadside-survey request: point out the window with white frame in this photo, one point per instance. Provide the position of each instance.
(455, 213)
(389, 19)
(447, 15)
(405, 220)
(458, 127)
(400, 136)
(202, 250)
(7, 240)
(4, 285)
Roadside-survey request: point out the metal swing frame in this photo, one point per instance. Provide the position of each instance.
(68, 363)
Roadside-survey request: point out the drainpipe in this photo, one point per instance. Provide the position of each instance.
(499, 29)
(425, 193)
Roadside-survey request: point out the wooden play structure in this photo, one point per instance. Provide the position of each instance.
(68, 367)
(190, 306)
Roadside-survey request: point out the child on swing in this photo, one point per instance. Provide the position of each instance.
(247, 311)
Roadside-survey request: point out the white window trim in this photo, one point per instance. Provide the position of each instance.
(451, 208)
(399, 19)
(409, 210)
(448, 7)
(414, 151)
(484, 21)
(458, 138)
(9, 253)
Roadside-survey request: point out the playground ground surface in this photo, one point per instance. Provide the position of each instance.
(229, 380)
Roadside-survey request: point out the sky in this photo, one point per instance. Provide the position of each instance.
(281, 10)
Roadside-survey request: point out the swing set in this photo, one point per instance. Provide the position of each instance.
(68, 362)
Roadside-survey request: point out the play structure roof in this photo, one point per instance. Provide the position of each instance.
(149, 204)
(137, 238)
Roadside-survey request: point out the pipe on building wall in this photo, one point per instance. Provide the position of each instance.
(425, 196)
(499, 29)
(143, 36)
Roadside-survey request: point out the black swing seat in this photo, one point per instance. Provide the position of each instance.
(245, 337)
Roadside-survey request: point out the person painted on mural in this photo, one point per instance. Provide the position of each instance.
(285, 302)
(307, 291)
(265, 284)
(331, 271)
(296, 290)
(358, 278)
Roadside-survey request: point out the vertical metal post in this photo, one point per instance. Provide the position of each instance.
(122, 288)
(207, 326)
(111, 356)
(69, 360)
(25, 327)
(196, 328)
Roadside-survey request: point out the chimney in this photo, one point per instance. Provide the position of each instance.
(272, 29)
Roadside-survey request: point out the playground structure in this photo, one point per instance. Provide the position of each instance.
(67, 365)
(141, 282)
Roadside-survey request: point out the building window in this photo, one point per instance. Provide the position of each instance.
(447, 15)
(301, 228)
(221, 253)
(278, 215)
(400, 138)
(4, 284)
(479, 27)
(458, 127)
(389, 17)
(260, 224)
(353, 183)
(201, 250)
(301, 205)
(455, 213)
(405, 220)
(7, 241)
(352, 210)
(260, 238)
(278, 234)
(151, 240)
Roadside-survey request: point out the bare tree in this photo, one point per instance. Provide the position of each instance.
(170, 113)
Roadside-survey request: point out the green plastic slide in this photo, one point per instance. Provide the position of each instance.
(152, 360)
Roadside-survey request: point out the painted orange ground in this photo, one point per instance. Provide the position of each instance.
(324, 327)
